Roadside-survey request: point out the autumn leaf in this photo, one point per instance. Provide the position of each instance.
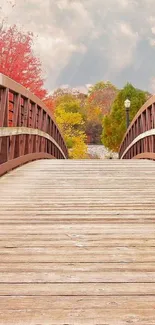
(18, 61)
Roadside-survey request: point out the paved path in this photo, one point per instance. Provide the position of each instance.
(101, 152)
(77, 243)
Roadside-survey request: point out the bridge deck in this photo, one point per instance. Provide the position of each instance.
(77, 243)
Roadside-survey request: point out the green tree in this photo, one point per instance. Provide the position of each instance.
(114, 124)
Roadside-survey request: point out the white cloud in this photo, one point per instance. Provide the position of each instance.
(152, 85)
(122, 44)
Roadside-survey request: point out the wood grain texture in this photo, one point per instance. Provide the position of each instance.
(77, 243)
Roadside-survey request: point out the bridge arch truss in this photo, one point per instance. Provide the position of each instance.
(139, 140)
(27, 128)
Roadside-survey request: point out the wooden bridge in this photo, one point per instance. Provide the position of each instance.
(77, 238)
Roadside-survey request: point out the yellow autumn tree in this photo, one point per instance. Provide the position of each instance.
(69, 117)
(93, 122)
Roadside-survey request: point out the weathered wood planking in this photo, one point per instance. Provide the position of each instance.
(77, 243)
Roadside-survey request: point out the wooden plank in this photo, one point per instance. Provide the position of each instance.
(78, 267)
(106, 230)
(81, 250)
(59, 241)
(79, 316)
(76, 302)
(60, 276)
(60, 219)
(75, 259)
(77, 289)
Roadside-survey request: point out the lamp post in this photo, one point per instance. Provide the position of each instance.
(127, 105)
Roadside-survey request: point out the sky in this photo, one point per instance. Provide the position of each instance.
(81, 42)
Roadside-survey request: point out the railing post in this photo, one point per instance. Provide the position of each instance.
(14, 140)
(4, 110)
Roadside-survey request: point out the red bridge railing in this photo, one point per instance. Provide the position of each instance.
(139, 140)
(27, 129)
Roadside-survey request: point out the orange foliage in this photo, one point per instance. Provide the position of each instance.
(103, 98)
(50, 103)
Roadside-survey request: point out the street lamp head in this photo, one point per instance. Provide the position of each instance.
(127, 103)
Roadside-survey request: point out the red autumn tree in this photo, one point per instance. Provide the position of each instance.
(100, 99)
(103, 95)
(18, 61)
(50, 103)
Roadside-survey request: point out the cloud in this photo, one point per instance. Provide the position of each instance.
(152, 85)
(82, 41)
(121, 46)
